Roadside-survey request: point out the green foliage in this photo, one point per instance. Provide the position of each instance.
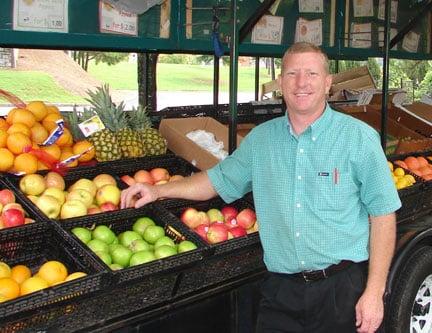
(83, 58)
(174, 59)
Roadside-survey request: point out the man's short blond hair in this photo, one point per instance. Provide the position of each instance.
(304, 47)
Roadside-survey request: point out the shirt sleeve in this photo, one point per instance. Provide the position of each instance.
(377, 190)
(232, 177)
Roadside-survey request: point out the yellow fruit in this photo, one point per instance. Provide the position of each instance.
(35, 283)
(398, 172)
(9, 288)
(390, 164)
(5, 270)
(23, 116)
(6, 159)
(80, 147)
(65, 139)
(3, 138)
(410, 179)
(49, 121)
(19, 127)
(53, 272)
(20, 273)
(10, 115)
(401, 183)
(53, 109)
(38, 109)
(26, 162)
(395, 179)
(75, 275)
(16, 142)
(3, 124)
(42, 166)
(38, 133)
(53, 150)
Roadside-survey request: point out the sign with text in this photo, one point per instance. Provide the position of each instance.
(113, 20)
(40, 15)
(268, 30)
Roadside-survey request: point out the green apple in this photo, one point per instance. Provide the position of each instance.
(113, 246)
(103, 233)
(121, 255)
(152, 233)
(82, 195)
(49, 206)
(141, 224)
(33, 184)
(56, 193)
(164, 251)
(105, 257)
(96, 245)
(185, 246)
(72, 208)
(83, 234)
(215, 214)
(141, 257)
(127, 237)
(164, 240)
(85, 184)
(139, 245)
(115, 267)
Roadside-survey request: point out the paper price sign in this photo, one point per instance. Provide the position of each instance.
(113, 20)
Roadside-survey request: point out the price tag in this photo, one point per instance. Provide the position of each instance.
(91, 125)
(113, 20)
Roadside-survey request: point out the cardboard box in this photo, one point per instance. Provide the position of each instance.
(175, 130)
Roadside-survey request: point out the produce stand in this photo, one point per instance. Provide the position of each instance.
(213, 288)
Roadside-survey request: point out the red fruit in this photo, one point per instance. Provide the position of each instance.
(6, 196)
(187, 215)
(229, 213)
(231, 224)
(128, 180)
(201, 230)
(236, 232)
(108, 207)
(13, 217)
(159, 174)
(217, 232)
(246, 218)
(93, 210)
(143, 176)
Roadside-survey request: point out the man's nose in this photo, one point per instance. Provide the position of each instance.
(301, 79)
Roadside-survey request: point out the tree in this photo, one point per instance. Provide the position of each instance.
(111, 58)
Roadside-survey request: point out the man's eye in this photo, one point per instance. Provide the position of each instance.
(313, 74)
(290, 74)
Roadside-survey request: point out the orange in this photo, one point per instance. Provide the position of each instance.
(6, 160)
(38, 133)
(3, 124)
(10, 115)
(52, 109)
(422, 161)
(53, 150)
(42, 166)
(9, 288)
(38, 109)
(5, 270)
(3, 138)
(49, 121)
(412, 163)
(53, 272)
(65, 139)
(75, 275)
(20, 273)
(16, 142)
(23, 116)
(26, 162)
(66, 154)
(66, 149)
(80, 147)
(33, 284)
(19, 127)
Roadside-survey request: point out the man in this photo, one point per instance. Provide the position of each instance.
(325, 201)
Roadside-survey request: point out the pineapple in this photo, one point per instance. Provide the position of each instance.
(153, 142)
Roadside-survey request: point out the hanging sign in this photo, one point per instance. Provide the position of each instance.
(268, 30)
(40, 15)
(113, 20)
(134, 6)
(309, 31)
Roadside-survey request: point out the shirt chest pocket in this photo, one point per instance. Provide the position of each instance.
(333, 191)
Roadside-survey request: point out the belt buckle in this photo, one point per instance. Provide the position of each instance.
(309, 276)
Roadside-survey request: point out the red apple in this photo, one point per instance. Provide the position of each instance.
(143, 176)
(231, 224)
(93, 210)
(201, 230)
(187, 214)
(108, 207)
(217, 232)
(13, 217)
(246, 218)
(128, 180)
(159, 174)
(13, 205)
(236, 232)
(6, 196)
(229, 213)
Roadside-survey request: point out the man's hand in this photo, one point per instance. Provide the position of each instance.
(138, 195)
(369, 312)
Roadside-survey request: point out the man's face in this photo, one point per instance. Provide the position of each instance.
(304, 82)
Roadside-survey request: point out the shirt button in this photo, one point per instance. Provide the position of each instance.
(299, 177)
(297, 234)
(313, 138)
(302, 262)
(301, 150)
(298, 205)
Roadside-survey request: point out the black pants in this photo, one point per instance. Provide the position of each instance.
(291, 305)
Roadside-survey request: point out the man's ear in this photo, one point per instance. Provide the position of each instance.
(279, 81)
(329, 80)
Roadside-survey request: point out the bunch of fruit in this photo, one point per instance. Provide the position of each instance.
(19, 281)
(83, 197)
(417, 165)
(30, 127)
(144, 243)
(155, 176)
(216, 225)
(126, 134)
(400, 178)
(12, 213)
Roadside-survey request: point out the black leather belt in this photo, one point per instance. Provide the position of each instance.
(309, 276)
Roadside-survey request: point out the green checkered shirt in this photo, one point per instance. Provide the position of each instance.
(314, 192)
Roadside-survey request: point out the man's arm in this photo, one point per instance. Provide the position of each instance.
(370, 307)
(195, 187)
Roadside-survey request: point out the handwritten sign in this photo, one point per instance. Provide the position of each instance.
(113, 20)
(268, 30)
(309, 31)
(40, 15)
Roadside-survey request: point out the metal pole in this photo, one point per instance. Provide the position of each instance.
(257, 77)
(233, 79)
(215, 85)
(386, 62)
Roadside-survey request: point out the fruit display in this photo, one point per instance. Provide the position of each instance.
(126, 134)
(28, 143)
(19, 281)
(218, 225)
(400, 178)
(82, 197)
(154, 176)
(144, 242)
(417, 165)
(12, 212)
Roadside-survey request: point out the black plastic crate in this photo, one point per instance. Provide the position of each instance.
(170, 265)
(37, 243)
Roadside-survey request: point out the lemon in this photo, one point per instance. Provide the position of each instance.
(399, 172)
(401, 183)
(5, 270)
(390, 164)
(410, 179)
